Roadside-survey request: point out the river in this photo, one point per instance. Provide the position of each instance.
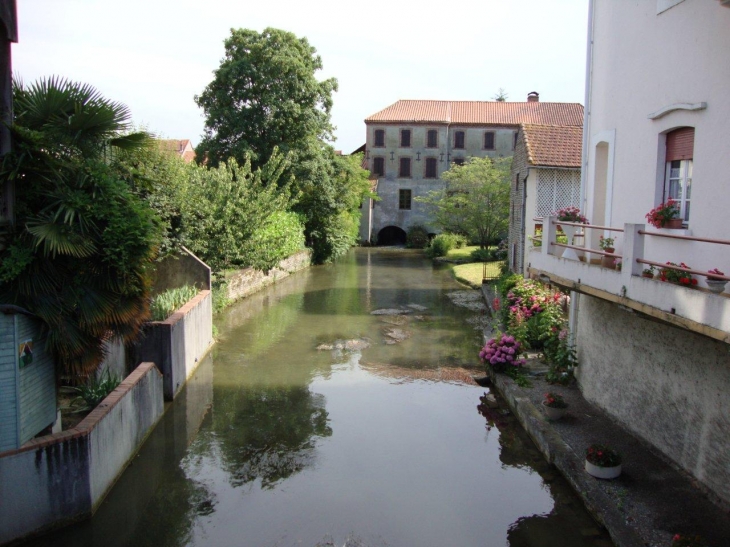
(314, 422)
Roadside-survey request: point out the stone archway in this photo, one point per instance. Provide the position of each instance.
(392, 235)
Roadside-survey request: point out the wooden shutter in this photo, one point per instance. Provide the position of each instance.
(681, 144)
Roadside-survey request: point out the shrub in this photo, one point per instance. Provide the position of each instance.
(460, 241)
(502, 352)
(440, 245)
(416, 237)
(481, 255)
(95, 390)
(163, 305)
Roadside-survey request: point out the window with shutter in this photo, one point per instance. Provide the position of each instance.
(431, 168)
(489, 140)
(404, 199)
(678, 170)
(379, 166)
(379, 138)
(459, 139)
(432, 138)
(405, 168)
(405, 138)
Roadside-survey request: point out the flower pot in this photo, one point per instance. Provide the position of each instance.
(603, 472)
(570, 231)
(716, 285)
(672, 224)
(553, 413)
(607, 261)
(647, 275)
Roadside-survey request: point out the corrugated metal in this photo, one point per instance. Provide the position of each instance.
(681, 144)
(480, 112)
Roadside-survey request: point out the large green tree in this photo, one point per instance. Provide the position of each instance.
(475, 200)
(83, 244)
(264, 95)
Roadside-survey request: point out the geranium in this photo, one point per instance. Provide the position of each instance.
(605, 243)
(501, 352)
(663, 212)
(674, 275)
(570, 214)
(603, 456)
(554, 400)
(716, 272)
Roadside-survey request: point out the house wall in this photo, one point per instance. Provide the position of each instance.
(176, 344)
(642, 63)
(676, 381)
(386, 211)
(517, 230)
(58, 478)
(8, 384)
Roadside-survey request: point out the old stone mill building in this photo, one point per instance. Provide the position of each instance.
(411, 143)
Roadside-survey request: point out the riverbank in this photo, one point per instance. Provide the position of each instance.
(648, 504)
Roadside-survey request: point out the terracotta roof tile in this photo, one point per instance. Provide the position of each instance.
(481, 113)
(553, 146)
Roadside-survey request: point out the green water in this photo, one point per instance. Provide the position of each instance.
(277, 443)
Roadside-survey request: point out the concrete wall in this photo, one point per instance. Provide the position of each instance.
(386, 211)
(676, 381)
(180, 269)
(57, 478)
(176, 344)
(643, 62)
(115, 360)
(247, 281)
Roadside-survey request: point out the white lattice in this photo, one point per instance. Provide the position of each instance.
(556, 188)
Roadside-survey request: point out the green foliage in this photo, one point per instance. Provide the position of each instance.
(416, 237)
(481, 255)
(475, 201)
(220, 296)
(440, 245)
(165, 304)
(264, 95)
(330, 189)
(84, 241)
(95, 390)
(460, 241)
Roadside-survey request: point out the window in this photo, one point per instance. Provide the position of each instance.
(514, 142)
(459, 139)
(489, 140)
(379, 138)
(404, 199)
(432, 138)
(404, 170)
(379, 166)
(431, 168)
(405, 138)
(458, 161)
(678, 170)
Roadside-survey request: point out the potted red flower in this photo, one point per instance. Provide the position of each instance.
(715, 284)
(555, 406)
(603, 462)
(665, 215)
(673, 275)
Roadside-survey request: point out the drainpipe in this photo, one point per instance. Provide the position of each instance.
(574, 296)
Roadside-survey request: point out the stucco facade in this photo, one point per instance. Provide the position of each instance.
(655, 355)
(439, 133)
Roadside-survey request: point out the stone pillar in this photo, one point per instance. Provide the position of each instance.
(549, 233)
(633, 249)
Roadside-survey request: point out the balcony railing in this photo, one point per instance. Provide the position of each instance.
(693, 308)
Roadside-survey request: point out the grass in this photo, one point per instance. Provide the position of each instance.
(471, 274)
(163, 305)
(462, 253)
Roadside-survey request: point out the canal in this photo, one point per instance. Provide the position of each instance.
(337, 409)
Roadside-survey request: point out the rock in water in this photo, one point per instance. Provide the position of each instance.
(390, 311)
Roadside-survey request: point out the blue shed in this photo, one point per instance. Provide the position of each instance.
(27, 379)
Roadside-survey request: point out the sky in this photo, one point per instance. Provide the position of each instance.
(156, 55)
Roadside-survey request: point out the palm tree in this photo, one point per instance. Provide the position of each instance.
(83, 243)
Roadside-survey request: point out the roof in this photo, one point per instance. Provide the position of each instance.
(553, 146)
(182, 147)
(480, 113)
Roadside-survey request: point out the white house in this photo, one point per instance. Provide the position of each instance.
(655, 355)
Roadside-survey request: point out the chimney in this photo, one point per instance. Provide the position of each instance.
(533, 97)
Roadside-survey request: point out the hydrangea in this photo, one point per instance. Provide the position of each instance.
(501, 352)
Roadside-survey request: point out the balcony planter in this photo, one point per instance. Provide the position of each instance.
(607, 261)
(672, 224)
(716, 286)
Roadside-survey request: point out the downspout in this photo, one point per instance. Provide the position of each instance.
(574, 296)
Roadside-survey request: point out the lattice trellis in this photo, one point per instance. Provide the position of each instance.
(556, 188)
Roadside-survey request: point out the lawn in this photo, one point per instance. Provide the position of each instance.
(471, 274)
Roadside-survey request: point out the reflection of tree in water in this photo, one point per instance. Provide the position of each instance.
(268, 433)
(568, 524)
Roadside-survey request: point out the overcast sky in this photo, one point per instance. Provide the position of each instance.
(155, 55)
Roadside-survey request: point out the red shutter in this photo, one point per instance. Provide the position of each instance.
(680, 144)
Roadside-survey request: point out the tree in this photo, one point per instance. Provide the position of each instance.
(264, 95)
(83, 244)
(475, 201)
(501, 95)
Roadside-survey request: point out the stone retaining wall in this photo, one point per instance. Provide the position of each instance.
(247, 281)
(55, 479)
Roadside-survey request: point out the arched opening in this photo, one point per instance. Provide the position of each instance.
(392, 235)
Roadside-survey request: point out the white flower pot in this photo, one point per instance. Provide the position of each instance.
(716, 285)
(553, 413)
(603, 472)
(570, 231)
